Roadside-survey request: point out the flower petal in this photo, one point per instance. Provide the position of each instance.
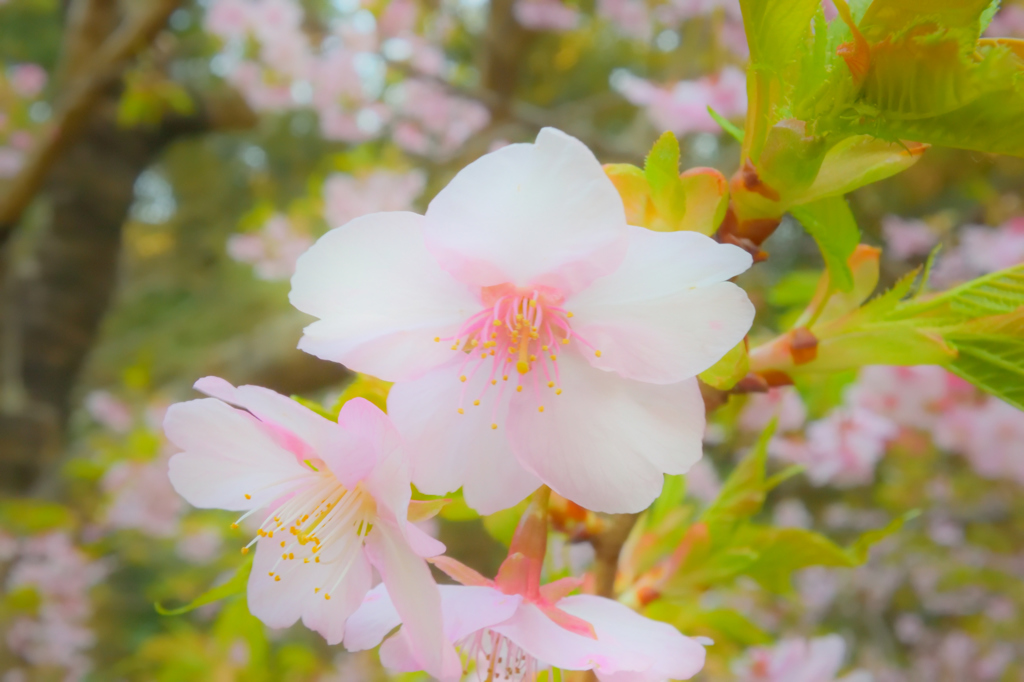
(328, 617)
(453, 450)
(667, 313)
(381, 298)
(376, 451)
(416, 598)
(229, 460)
(372, 621)
(606, 441)
(542, 214)
(668, 653)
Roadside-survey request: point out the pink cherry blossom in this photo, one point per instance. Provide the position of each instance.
(336, 495)
(683, 106)
(781, 403)
(798, 660)
(1008, 22)
(523, 282)
(433, 121)
(989, 435)
(631, 18)
(908, 238)
(142, 497)
(62, 575)
(513, 627)
(347, 197)
(261, 92)
(109, 411)
(273, 250)
(11, 161)
(546, 15)
(842, 449)
(914, 397)
(989, 249)
(28, 80)
(230, 19)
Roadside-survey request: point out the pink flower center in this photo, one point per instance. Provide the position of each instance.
(491, 657)
(516, 336)
(320, 522)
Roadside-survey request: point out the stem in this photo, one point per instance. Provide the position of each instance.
(607, 546)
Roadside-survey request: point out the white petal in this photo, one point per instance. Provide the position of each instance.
(416, 598)
(529, 214)
(606, 441)
(227, 454)
(666, 652)
(376, 452)
(550, 643)
(380, 296)
(453, 450)
(372, 621)
(667, 313)
(329, 616)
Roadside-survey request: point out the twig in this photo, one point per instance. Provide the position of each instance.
(133, 35)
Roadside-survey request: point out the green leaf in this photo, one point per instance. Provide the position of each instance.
(744, 492)
(235, 585)
(727, 372)
(673, 492)
(734, 626)
(662, 172)
(999, 293)
(991, 355)
(28, 517)
(834, 228)
(502, 525)
(728, 126)
(776, 30)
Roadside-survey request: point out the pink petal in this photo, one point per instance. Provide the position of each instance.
(328, 617)
(226, 455)
(453, 450)
(606, 441)
(416, 598)
(372, 621)
(531, 215)
(667, 313)
(546, 641)
(373, 443)
(380, 296)
(665, 652)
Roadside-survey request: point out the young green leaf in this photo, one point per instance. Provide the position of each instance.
(834, 228)
(235, 585)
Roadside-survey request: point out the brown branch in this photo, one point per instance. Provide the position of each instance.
(607, 546)
(73, 112)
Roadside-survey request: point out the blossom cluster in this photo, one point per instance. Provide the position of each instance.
(535, 341)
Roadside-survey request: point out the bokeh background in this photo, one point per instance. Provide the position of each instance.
(210, 142)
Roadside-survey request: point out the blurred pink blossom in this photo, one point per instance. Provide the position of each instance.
(546, 15)
(273, 250)
(261, 93)
(842, 449)
(200, 546)
(683, 107)
(783, 402)
(798, 660)
(229, 19)
(21, 140)
(61, 575)
(914, 397)
(1008, 22)
(347, 196)
(631, 18)
(28, 80)
(142, 497)
(399, 17)
(908, 238)
(989, 249)
(435, 121)
(109, 411)
(989, 435)
(11, 161)
(702, 481)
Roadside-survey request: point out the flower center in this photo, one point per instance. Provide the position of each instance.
(518, 335)
(490, 657)
(321, 522)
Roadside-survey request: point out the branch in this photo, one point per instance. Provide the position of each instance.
(132, 36)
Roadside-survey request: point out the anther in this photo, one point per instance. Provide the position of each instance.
(327, 596)
(476, 402)
(568, 314)
(519, 389)
(462, 378)
(558, 391)
(597, 353)
(277, 578)
(437, 339)
(248, 496)
(540, 409)
(282, 543)
(234, 526)
(551, 384)
(565, 342)
(245, 550)
(494, 426)
(462, 411)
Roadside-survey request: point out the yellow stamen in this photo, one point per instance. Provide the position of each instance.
(245, 550)
(494, 426)
(461, 411)
(597, 353)
(540, 409)
(248, 496)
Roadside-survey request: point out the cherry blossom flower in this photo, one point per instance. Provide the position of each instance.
(273, 250)
(683, 106)
(433, 121)
(798, 660)
(546, 15)
(142, 497)
(631, 18)
(512, 627)
(109, 411)
(57, 634)
(523, 282)
(28, 80)
(336, 498)
(908, 238)
(781, 403)
(347, 197)
(842, 449)
(915, 396)
(989, 435)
